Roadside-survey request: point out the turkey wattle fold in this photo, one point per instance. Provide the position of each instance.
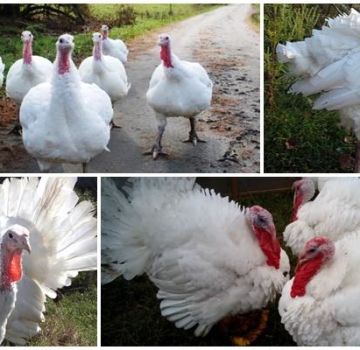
(208, 257)
(65, 120)
(334, 213)
(320, 305)
(177, 89)
(62, 236)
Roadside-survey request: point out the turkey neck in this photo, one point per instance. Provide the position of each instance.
(270, 247)
(97, 51)
(27, 52)
(64, 61)
(11, 269)
(298, 201)
(165, 55)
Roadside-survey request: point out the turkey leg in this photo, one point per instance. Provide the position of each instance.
(16, 129)
(193, 137)
(357, 158)
(156, 149)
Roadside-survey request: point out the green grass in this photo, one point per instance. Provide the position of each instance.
(255, 16)
(298, 139)
(130, 309)
(72, 318)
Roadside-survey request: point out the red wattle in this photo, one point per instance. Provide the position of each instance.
(303, 274)
(165, 56)
(270, 247)
(297, 204)
(15, 269)
(64, 63)
(27, 52)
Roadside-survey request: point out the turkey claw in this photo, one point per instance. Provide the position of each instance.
(156, 152)
(194, 140)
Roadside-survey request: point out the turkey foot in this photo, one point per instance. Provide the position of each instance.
(244, 329)
(156, 151)
(16, 129)
(193, 137)
(114, 126)
(357, 158)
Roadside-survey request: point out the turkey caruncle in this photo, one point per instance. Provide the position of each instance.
(328, 63)
(44, 214)
(209, 258)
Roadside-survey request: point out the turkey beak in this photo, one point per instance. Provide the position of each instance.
(26, 245)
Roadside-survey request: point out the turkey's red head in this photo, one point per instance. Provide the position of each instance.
(14, 241)
(64, 45)
(304, 190)
(27, 38)
(165, 52)
(263, 227)
(316, 253)
(105, 31)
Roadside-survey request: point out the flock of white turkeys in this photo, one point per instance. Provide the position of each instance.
(211, 258)
(66, 113)
(58, 233)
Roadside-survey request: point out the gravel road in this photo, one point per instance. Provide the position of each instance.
(226, 43)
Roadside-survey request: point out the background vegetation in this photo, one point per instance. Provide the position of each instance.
(298, 139)
(126, 22)
(130, 313)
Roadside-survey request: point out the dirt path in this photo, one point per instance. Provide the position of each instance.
(225, 43)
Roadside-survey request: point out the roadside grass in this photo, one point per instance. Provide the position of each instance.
(255, 16)
(131, 314)
(297, 138)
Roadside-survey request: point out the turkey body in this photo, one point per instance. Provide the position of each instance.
(334, 213)
(22, 77)
(184, 90)
(115, 48)
(328, 64)
(194, 245)
(65, 120)
(2, 68)
(7, 305)
(328, 313)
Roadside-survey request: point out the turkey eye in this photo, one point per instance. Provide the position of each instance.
(61, 41)
(312, 250)
(10, 235)
(166, 38)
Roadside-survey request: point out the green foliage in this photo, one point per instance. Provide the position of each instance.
(297, 139)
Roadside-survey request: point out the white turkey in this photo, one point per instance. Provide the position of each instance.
(177, 89)
(328, 64)
(208, 257)
(320, 305)
(106, 72)
(335, 211)
(113, 47)
(65, 120)
(2, 68)
(44, 214)
(27, 72)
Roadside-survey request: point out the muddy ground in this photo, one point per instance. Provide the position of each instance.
(226, 43)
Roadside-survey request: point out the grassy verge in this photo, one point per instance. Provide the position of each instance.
(137, 321)
(298, 139)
